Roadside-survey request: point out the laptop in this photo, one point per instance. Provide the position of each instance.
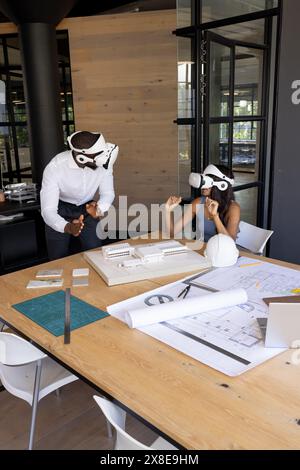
(282, 327)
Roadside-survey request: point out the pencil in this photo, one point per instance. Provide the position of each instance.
(250, 264)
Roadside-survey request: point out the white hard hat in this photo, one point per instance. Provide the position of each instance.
(221, 251)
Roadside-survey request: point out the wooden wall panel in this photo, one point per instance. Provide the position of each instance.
(124, 78)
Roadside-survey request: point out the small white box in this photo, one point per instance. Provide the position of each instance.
(80, 282)
(49, 273)
(44, 283)
(82, 272)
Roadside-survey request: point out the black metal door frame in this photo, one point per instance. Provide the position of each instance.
(195, 33)
(209, 38)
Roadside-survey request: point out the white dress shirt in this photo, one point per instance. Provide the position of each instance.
(64, 180)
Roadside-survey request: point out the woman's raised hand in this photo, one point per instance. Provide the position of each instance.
(173, 202)
(212, 207)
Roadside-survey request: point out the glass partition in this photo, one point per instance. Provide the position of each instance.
(247, 199)
(184, 160)
(185, 69)
(184, 15)
(213, 10)
(248, 31)
(15, 165)
(248, 81)
(225, 94)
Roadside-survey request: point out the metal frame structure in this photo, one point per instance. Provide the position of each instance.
(197, 33)
(5, 70)
(18, 174)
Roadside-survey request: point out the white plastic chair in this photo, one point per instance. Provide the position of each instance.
(117, 417)
(253, 238)
(29, 374)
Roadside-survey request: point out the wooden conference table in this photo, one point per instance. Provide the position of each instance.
(186, 401)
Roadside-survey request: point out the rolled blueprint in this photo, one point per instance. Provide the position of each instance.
(140, 317)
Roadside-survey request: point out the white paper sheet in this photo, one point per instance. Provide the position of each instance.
(139, 317)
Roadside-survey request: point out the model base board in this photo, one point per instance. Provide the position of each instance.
(175, 259)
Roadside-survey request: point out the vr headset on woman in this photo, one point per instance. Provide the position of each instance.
(205, 181)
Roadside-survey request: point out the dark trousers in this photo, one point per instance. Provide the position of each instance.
(58, 244)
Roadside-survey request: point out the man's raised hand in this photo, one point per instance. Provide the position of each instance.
(75, 227)
(92, 210)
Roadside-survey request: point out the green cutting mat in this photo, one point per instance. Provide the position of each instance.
(48, 311)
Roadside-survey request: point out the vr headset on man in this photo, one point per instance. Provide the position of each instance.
(101, 153)
(205, 180)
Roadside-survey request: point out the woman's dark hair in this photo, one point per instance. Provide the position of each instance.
(224, 198)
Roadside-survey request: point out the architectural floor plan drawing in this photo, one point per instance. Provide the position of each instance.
(226, 326)
(227, 339)
(260, 278)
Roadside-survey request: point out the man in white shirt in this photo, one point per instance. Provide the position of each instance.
(70, 183)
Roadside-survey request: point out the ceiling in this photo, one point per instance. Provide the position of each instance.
(98, 7)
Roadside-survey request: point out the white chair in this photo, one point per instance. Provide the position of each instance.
(117, 417)
(29, 374)
(253, 238)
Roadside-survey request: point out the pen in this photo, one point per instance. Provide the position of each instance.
(185, 292)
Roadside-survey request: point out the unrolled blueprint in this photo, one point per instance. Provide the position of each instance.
(227, 339)
(260, 279)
